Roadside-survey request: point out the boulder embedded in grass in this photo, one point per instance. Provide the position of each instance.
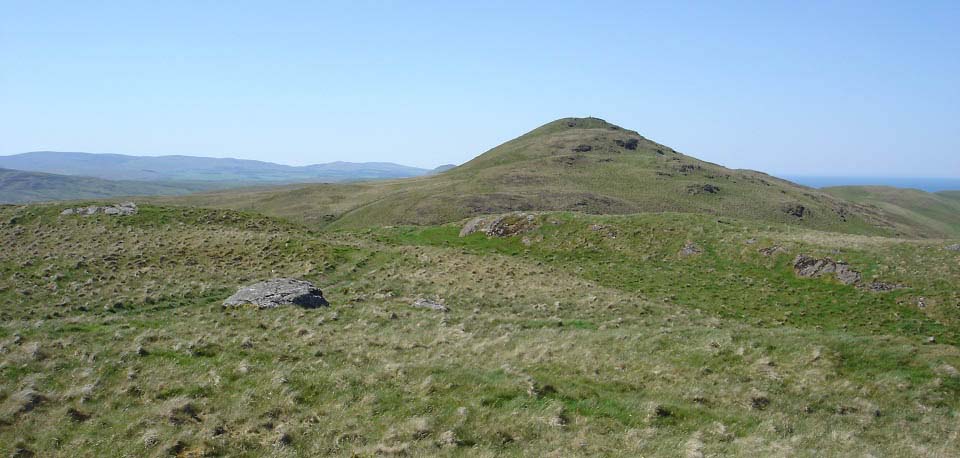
(428, 304)
(276, 292)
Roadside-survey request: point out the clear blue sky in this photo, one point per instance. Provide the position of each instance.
(831, 88)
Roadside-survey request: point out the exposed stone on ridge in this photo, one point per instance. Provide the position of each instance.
(124, 209)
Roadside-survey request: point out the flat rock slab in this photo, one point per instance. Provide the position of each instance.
(124, 209)
(276, 292)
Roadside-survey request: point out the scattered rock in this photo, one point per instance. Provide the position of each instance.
(500, 225)
(536, 389)
(559, 420)
(881, 287)
(954, 247)
(22, 452)
(428, 304)
(503, 437)
(124, 209)
(181, 411)
(396, 450)
(921, 303)
(696, 189)
(582, 148)
(630, 144)
(606, 230)
(759, 402)
(26, 400)
(449, 439)
(750, 241)
(810, 267)
(772, 250)
(931, 340)
(150, 438)
(276, 292)
(283, 439)
(687, 168)
(796, 210)
(690, 249)
(77, 415)
(660, 411)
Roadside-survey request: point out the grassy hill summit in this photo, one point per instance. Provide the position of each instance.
(571, 164)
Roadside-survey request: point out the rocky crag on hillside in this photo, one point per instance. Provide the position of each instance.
(810, 267)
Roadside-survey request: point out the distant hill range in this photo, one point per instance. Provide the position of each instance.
(68, 175)
(193, 168)
(17, 186)
(576, 164)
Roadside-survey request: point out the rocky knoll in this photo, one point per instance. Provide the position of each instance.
(124, 209)
(276, 292)
(810, 267)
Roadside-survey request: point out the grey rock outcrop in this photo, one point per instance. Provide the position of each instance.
(810, 267)
(796, 210)
(500, 225)
(954, 247)
(124, 209)
(277, 292)
(697, 189)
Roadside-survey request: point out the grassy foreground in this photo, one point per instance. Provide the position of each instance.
(585, 336)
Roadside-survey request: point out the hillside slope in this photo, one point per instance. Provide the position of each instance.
(17, 186)
(939, 212)
(951, 195)
(581, 164)
(193, 168)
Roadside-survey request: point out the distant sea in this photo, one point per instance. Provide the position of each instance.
(925, 184)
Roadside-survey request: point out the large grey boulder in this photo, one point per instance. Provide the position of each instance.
(807, 266)
(276, 292)
(124, 209)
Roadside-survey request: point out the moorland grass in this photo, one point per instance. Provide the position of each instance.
(564, 341)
